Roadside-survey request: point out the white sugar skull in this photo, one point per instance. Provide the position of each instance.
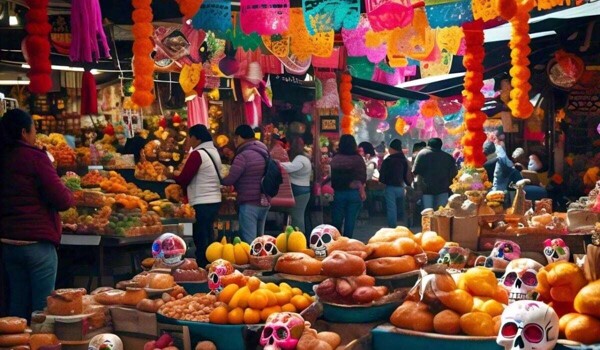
(503, 252)
(105, 341)
(556, 250)
(321, 237)
(264, 246)
(528, 325)
(282, 331)
(520, 279)
(216, 270)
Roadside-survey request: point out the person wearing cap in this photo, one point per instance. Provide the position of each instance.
(435, 170)
(489, 150)
(396, 176)
(245, 174)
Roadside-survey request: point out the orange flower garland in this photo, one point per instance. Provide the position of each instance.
(36, 46)
(473, 99)
(143, 65)
(189, 8)
(346, 103)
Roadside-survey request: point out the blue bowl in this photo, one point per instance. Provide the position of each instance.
(358, 314)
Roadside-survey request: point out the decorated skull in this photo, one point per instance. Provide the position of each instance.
(556, 250)
(503, 252)
(264, 246)
(520, 279)
(453, 256)
(216, 270)
(282, 331)
(105, 341)
(321, 237)
(528, 325)
(169, 249)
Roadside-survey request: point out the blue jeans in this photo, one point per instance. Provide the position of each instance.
(204, 228)
(394, 204)
(346, 206)
(434, 201)
(31, 274)
(252, 221)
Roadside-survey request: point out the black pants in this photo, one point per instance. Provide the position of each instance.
(203, 229)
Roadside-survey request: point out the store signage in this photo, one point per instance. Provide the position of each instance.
(330, 123)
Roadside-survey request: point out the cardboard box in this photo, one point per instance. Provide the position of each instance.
(442, 225)
(133, 321)
(465, 232)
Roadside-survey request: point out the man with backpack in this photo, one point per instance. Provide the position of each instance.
(256, 178)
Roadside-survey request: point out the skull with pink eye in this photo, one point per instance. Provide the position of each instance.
(282, 331)
(528, 325)
(520, 279)
(321, 237)
(216, 270)
(556, 250)
(264, 246)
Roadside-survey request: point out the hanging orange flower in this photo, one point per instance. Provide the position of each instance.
(346, 103)
(189, 8)
(36, 47)
(143, 65)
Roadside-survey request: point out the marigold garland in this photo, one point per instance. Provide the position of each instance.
(37, 46)
(189, 8)
(143, 65)
(346, 103)
(473, 99)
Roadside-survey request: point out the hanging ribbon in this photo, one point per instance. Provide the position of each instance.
(89, 96)
(88, 41)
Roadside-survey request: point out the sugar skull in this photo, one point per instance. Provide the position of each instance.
(528, 325)
(321, 237)
(264, 246)
(503, 252)
(216, 270)
(105, 341)
(556, 250)
(282, 331)
(453, 256)
(169, 248)
(520, 279)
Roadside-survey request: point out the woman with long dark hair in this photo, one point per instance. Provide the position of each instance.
(300, 171)
(348, 178)
(31, 195)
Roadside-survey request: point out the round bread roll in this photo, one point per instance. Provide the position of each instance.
(148, 305)
(148, 263)
(12, 325)
(348, 245)
(160, 281)
(36, 341)
(101, 290)
(584, 329)
(11, 340)
(391, 266)
(399, 247)
(111, 297)
(342, 264)
(587, 300)
(298, 264)
(133, 296)
(188, 264)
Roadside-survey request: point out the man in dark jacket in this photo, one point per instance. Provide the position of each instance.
(489, 150)
(435, 170)
(246, 173)
(396, 176)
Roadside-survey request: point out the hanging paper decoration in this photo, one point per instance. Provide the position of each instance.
(354, 41)
(441, 67)
(278, 45)
(517, 13)
(484, 10)
(248, 42)
(88, 41)
(265, 17)
(473, 99)
(400, 126)
(60, 36)
(89, 96)
(448, 13)
(143, 65)
(330, 98)
(346, 103)
(326, 15)
(404, 107)
(332, 62)
(197, 111)
(189, 77)
(195, 38)
(303, 44)
(189, 8)
(214, 15)
(449, 39)
(392, 76)
(549, 4)
(391, 15)
(36, 46)
(360, 67)
(430, 108)
(375, 109)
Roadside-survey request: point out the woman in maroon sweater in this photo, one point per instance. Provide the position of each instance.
(31, 195)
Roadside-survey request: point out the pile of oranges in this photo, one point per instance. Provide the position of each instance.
(254, 302)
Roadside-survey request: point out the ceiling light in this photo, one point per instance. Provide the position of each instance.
(14, 82)
(66, 69)
(13, 21)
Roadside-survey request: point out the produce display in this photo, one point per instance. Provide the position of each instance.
(237, 252)
(114, 183)
(151, 171)
(92, 179)
(72, 181)
(129, 225)
(195, 307)
(292, 240)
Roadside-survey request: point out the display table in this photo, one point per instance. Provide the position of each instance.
(535, 242)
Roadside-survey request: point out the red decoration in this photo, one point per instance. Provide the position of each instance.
(143, 65)
(109, 130)
(189, 8)
(89, 97)
(346, 103)
(37, 46)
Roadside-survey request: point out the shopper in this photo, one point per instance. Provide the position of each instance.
(395, 174)
(367, 151)
(489, 150)
(246, 173)
(31, 195)
(434, 170)
(348, 178)
(300, 171)
(201, 177)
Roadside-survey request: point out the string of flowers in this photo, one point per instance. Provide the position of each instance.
(37, 47)
(143, 65)
(346, 103)
(189, 8)
(473, 99)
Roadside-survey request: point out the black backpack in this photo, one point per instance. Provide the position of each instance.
(272, 178)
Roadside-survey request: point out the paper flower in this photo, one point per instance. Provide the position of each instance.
(143, 65)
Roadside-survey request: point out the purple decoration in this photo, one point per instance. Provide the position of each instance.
(88, 41)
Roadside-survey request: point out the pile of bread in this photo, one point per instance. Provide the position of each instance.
(388, 252)
(187, 271)
(14, 335)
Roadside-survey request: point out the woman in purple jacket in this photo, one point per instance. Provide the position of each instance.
(348, 177)
(31, 195)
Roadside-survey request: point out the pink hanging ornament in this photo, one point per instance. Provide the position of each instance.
(88, 41)
(197, 111)
(265, 17)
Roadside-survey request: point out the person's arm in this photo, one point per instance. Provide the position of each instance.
(383, 171)
(293, 166)
(53, 189)
(236, 170)
(362, 170)
(408, 175)
(416, 169)
(190, 169)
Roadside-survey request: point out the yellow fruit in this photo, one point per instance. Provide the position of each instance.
(487, 305)
(236, 316)
(283, 297)
(253, 283)
(219, 315)
(228, 253)
(271, 296)
(214, 251)
(297, 291)
(258, 300)
(307, 296)
(241, 257)
(285, 286)
(251, 316)
(240, 298)
(266, 312)
(272, 287)
(288, 308)
(296, 242)
(228, 292)
(300, 302)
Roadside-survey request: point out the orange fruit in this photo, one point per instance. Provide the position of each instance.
(297, 291)
(266, 312)
(477, 324)
(271, 296)
(285, 286)
(258, 300)
(227, 293)
(457, 300)
(236, 316)
(219, 315)
(251, 316)
(283, 297)
(288, 308)
(272, 287)
(240, 298)
(300, 302)
(447, 322)
(253, 283)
